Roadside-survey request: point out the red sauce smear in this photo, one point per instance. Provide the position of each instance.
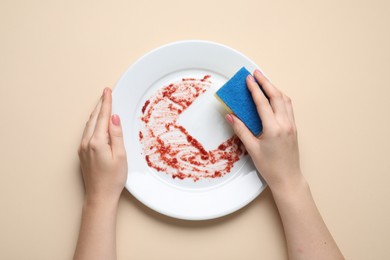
(169, 148)
(145, 105)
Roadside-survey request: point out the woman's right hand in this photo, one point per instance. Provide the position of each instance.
(275, 152)
(276, 156)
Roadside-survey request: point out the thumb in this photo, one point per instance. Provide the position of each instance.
(245, 135)
(116, 136)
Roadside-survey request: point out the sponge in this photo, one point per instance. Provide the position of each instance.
(237, 99)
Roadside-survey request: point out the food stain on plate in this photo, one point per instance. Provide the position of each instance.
(169, 148)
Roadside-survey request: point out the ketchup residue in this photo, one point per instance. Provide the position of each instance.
(145, 105)
(169, 148)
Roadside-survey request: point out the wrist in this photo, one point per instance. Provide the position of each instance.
(101, 201)
(291, 188)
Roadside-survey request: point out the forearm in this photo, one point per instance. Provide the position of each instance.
(306, 233)
(97, 238)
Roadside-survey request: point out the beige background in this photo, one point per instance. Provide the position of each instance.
(332, 57)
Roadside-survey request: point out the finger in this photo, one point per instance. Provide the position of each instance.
(245, 135)
(262, 104)
(103, 120)
(90, 126)
(275, 95)
(289, 108)
(116, 137)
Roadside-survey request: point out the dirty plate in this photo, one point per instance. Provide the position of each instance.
(204, 120)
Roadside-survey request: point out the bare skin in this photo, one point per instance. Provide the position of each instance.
(104, 166)
(275, 154)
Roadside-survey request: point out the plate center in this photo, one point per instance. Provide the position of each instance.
(205, 118)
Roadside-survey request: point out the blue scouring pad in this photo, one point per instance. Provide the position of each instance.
(237, 99)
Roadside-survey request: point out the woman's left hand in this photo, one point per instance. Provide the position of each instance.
(102, 153)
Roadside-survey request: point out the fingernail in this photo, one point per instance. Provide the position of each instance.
(250, 77)
(116, 120)
(258, 72)
(229, 118)
(105, 91)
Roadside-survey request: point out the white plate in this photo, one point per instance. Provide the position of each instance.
(185, 199)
